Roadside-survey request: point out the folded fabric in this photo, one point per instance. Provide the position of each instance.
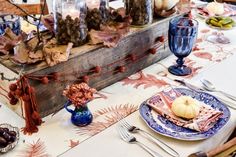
(161, 103)
(230, 10)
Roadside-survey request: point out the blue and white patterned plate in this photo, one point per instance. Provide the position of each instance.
(164, 127)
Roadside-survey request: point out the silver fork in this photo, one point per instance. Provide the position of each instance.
(160, 143)
(126, 136)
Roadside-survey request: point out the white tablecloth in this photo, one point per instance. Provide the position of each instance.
(58, 137)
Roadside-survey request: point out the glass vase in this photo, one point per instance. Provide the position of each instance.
(141, 11)
(98, 13)
(70, 24)
(80, 116)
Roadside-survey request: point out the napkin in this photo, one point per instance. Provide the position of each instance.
(230, 10)
(161, 103)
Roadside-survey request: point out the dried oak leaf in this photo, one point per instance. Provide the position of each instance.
(24, 53)
(110, 33)
(48, 22)
(55, 54)
(8, 41)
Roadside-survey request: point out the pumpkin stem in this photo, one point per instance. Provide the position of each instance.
(187, 102)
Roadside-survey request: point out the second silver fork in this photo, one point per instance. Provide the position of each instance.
(126, 136)
(160, 143)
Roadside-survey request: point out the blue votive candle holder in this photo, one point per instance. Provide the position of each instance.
(10, 21)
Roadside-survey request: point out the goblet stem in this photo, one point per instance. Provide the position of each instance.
(180, 62)
(180, 69)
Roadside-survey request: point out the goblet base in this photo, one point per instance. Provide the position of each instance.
(180, 70)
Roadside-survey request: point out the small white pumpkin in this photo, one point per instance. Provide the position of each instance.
(165, 4)
(185, 107)
(164, 7)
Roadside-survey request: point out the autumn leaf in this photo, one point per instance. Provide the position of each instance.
(203, 55)
(191, 64)
(73, 143)
(147, 81)
(37, 149)
(205, 30)
(110, 115)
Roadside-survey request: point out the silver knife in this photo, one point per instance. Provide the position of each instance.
(190, 86)
(198, 89)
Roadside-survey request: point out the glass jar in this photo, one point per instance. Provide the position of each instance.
(98, 12)
(141, 11)
(70, 24)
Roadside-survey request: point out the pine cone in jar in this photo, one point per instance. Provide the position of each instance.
(94, 19)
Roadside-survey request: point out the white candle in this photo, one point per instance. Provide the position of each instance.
(93, 4)
(69, 9)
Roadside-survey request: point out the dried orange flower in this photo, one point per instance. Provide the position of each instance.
(79, 94)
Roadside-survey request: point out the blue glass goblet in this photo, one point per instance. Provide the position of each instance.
(182, 35)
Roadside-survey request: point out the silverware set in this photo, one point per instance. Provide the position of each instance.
(125, 130)
(207, 86)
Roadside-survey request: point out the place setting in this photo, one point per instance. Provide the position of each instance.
(178, 113)
(185, 111)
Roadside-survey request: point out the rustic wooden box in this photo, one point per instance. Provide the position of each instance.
(138, 42)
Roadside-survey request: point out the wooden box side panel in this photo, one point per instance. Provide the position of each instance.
(49, 97)
(5, 85)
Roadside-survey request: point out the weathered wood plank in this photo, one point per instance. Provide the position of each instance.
(138, 42)
(79, 50)
(9, 9)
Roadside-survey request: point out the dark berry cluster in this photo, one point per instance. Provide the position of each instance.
(6, 137)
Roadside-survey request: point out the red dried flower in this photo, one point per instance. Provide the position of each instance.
(10, 95)
(18, 92)
(152, 51)
(26, 98)
(161, 39)
(122, 69)
(79, 94)
(13, 101)
(98, 69)
(13, 87)
(44, 80)
(132, 57)
(55, 76)
(85, 78)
